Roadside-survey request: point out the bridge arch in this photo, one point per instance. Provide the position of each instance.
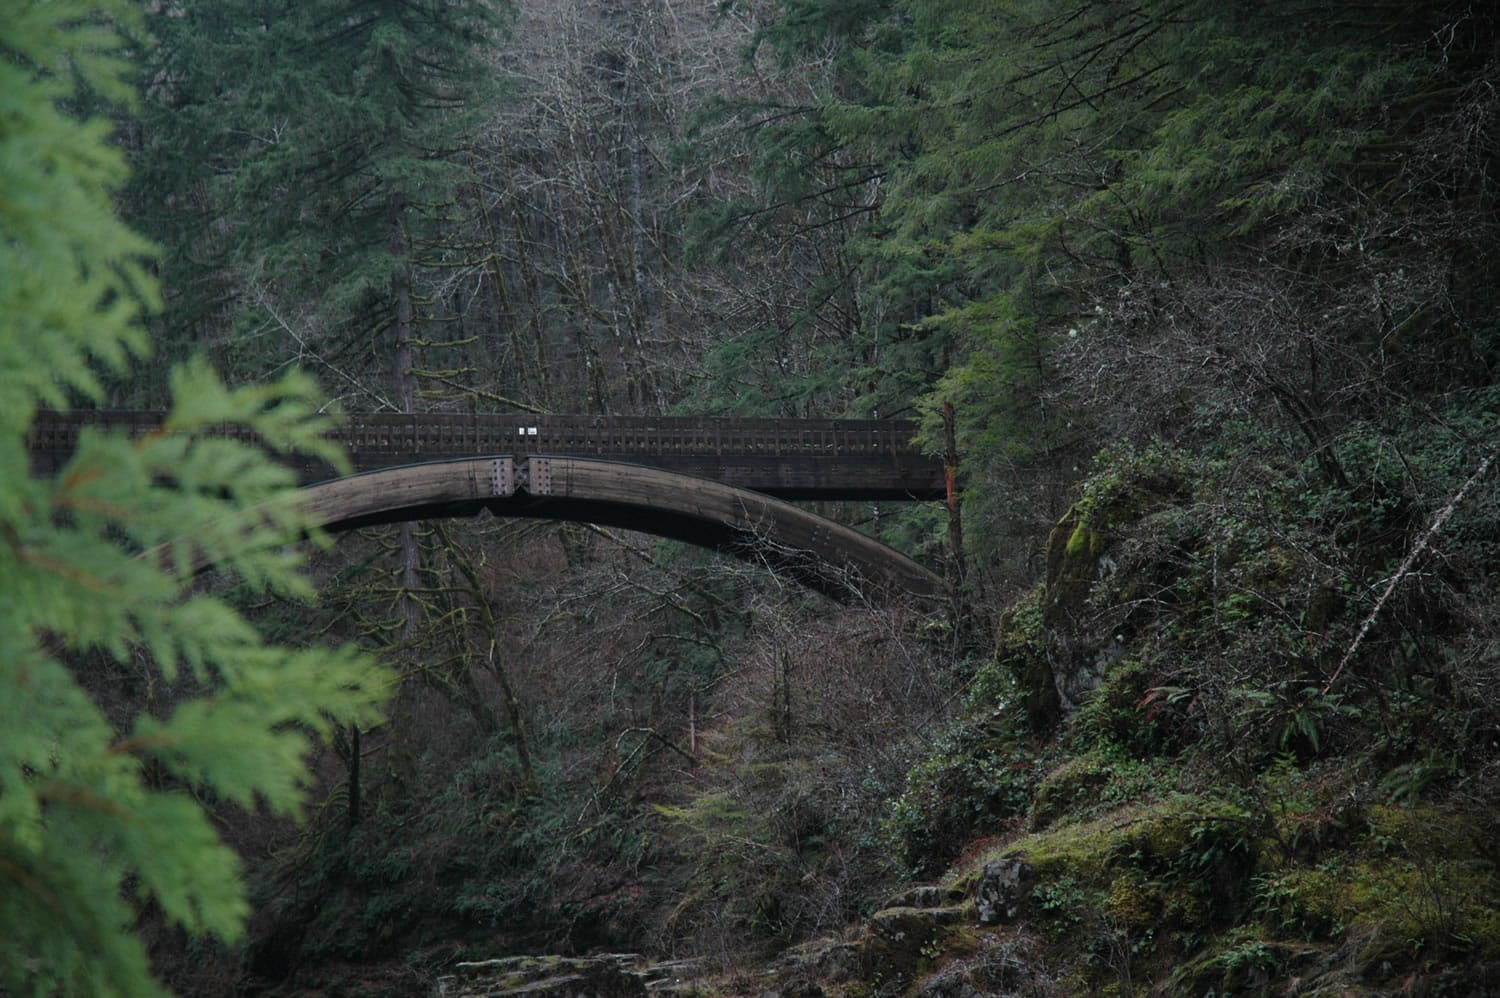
(827, 556)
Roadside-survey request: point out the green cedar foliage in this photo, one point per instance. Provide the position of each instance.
(95, 821)
(56, 215)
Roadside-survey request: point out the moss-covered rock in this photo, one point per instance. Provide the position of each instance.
(1001, 890)
(1180, 865)
(1074, 549)
(1417, 881)
(1055, 643)
(1021, 652)
(899, 944)
(999, 964)
(1212, 811)
(1078, 650)
(1073, 782)
(829, 961)
(1135, 901)
(1098, 780)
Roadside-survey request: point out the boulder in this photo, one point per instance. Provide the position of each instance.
(898, 940)
(1002, 889)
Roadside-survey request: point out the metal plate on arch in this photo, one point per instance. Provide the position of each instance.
(503, 478)
(539, 476)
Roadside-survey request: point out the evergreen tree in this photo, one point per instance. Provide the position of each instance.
(99, 820)
(305, 153)
(786, 235)
(324, 142)
(1086, 205)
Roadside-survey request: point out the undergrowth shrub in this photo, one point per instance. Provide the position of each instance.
(970, 785)
(1235, 593)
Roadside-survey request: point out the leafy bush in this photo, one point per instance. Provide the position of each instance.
(969, 786)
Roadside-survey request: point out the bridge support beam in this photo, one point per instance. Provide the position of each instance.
(828, 556)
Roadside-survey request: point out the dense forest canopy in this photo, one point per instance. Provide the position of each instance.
(1202, 294)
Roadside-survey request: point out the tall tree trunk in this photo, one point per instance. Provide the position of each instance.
(403, 332)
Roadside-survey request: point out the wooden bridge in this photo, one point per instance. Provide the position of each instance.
(719, 483)
(787, 458)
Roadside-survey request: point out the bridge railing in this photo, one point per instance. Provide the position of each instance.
(456, 434)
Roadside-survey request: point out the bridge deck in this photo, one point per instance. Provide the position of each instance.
(787, 458)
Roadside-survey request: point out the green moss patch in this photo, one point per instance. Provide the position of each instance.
(1183, 864)
(1418, 881)
(1101, 779)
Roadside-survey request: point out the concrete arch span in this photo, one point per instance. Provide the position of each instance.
(827, 556)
